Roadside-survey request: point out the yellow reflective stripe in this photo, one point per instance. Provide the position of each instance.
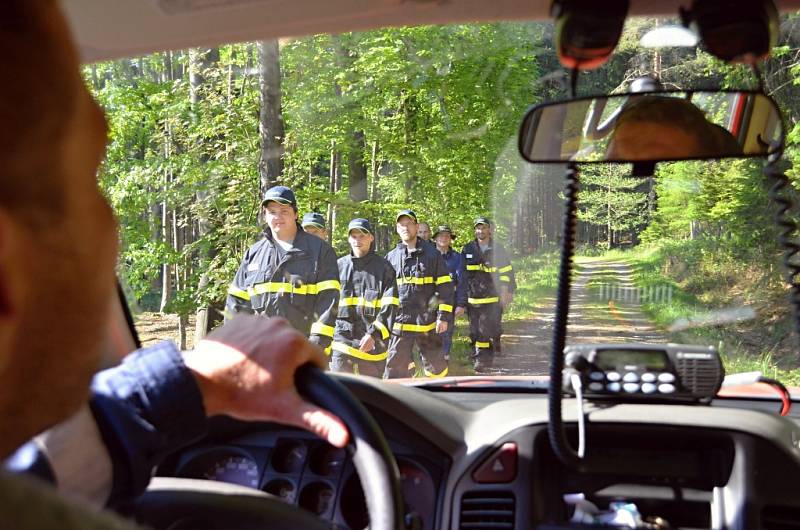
(327, 285)
(415, 327)
(384, 330)
(507, 268)
(447, 308)
(238, 293)
(358, 354)
(443, 279)
(479, 301)
(360, 301)
(481, 267)
(504, 278)
(436, 376)
(277, 287)
(415, 281)
(318, 328)
(483, 344)
(286, 287)
(228, 314)
(390, 300)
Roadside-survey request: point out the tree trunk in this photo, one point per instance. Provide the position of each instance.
(271, 127)
(375, 172)
(332, 186)
(166, 233)
(357, 167)
(200, 60)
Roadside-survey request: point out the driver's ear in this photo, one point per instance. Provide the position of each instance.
(13, 280)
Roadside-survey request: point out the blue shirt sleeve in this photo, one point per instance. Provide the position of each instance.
(145, 408)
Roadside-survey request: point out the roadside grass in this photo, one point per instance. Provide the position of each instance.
(697, 282)
(537, 279)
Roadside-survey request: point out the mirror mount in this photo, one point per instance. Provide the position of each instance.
(643, 169)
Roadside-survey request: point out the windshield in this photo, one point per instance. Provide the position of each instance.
(368, 125)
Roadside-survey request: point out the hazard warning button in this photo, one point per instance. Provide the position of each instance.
(499, 468)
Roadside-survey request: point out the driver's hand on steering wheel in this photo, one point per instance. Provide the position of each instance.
(245, 369)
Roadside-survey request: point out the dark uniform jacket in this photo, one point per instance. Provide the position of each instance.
(301, 285)
(425, 287)
(455, 264)
(368, 304)
(487, 272)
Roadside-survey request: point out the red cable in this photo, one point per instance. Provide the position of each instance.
(786, 398)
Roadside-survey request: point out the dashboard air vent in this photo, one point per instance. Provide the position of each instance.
(780, 518)
(487, 510)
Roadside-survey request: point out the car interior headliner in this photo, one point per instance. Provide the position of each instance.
(110, 29)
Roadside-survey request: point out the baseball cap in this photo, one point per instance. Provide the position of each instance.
(280, 194)
(444, 228)
(360, 224)
(313, 219)
(482, 221)
(407, 213)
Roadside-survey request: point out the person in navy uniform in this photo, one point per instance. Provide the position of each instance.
(288, 273)
(444, 237)
(490, 288)
(426, 302)
(367, 305)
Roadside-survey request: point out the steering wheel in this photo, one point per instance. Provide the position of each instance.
(182, 504)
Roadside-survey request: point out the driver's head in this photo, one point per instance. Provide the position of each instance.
(667, 128)
(57, 233)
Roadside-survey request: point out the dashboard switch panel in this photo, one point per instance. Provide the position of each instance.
(500, 467)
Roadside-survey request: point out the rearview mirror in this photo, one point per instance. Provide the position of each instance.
(653, 126)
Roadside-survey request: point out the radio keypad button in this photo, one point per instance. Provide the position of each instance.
(595, 386)
(666, 388)
(630, 388)
(631, 377)
(597, 376)
(648, 377)
(613, 376)
(648, 388)
(613, 387)
(666, 377)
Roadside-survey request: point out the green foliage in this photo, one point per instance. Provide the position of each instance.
(430, 114)
(611, 198)
(721, 202)
(434, 105)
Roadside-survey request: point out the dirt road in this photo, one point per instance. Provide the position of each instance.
(609, 311)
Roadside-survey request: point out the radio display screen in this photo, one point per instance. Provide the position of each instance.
(650, 359)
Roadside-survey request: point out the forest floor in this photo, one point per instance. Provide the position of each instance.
(155, 327)
(526, 342)
(527, 334)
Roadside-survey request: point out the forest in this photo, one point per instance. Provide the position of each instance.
(364, 124)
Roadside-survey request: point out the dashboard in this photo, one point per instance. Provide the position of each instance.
(480, 459)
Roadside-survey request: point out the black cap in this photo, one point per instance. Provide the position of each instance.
(360, 224)
(280, 194)
(313, 219)
(407, 213)
(482, 221)
(444, 228)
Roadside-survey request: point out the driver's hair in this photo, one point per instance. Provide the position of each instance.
(37, 99)
(683, 115)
